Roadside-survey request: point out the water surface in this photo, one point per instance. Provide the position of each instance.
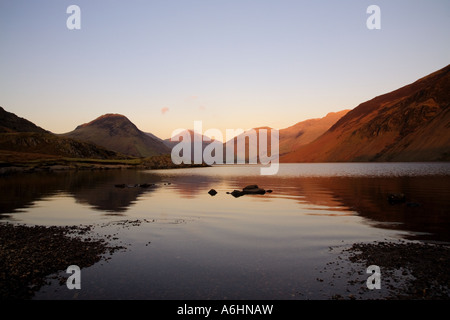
(195, 246)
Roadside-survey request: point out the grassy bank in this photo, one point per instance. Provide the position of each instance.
(14, 163)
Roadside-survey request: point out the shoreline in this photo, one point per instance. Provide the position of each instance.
(31, 254)
(69, 164)
(408, 270)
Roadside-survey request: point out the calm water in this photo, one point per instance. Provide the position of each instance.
(195, 246)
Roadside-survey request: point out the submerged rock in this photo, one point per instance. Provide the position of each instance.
(251, 189)
(237, 193)
(144, 185)
(413, 204)
(147, 185)
(396, 198)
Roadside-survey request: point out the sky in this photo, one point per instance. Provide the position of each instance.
(228, 63)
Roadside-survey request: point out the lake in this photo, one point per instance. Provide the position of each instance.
(187, 244)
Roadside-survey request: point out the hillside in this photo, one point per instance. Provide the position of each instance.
(21, 140)
(9, 122)
(117, 133)
(194, 135)
(250, 144)
(23, 146)
(409, 124)
(291, 138)
(304, 132)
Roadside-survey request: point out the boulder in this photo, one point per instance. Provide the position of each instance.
(413, 204)
(212, 192)
(147, 185)
(237, 193)
(396, 198)
(251, 189)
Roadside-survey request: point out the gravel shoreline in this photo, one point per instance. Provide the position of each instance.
(29, 254)
(409, 270)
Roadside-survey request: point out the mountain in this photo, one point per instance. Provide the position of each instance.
(9, 122)
(409, 124)
(154, 137)
(194, 135)
(19, 146)
(304, 132)
(22, 140)
(293, 137)
(117, 133)
(251, 142)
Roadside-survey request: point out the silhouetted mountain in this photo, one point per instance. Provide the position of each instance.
(22, 140)
(29, 146)
(154, 137)
(408, 124)
(9, 122)
(117, 133)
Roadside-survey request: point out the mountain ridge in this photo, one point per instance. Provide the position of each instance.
(411, 123)
(10, 122)
(387, 127)
(307, 131)
(21, 139)
(116, 132)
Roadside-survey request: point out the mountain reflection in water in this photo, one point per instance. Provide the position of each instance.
(425, 212)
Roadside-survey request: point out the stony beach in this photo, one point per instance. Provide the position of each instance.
(31, 255)
(409, 270)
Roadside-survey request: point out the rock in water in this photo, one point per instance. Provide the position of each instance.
(253, 189)
(147, 185)
(212, 192)
(396, 198)
(237, 193)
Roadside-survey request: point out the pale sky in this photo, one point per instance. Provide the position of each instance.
(229, 63)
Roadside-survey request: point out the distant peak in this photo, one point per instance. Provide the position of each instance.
(111, 115)
(262, 128)
(331, 114)
(105, 117)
